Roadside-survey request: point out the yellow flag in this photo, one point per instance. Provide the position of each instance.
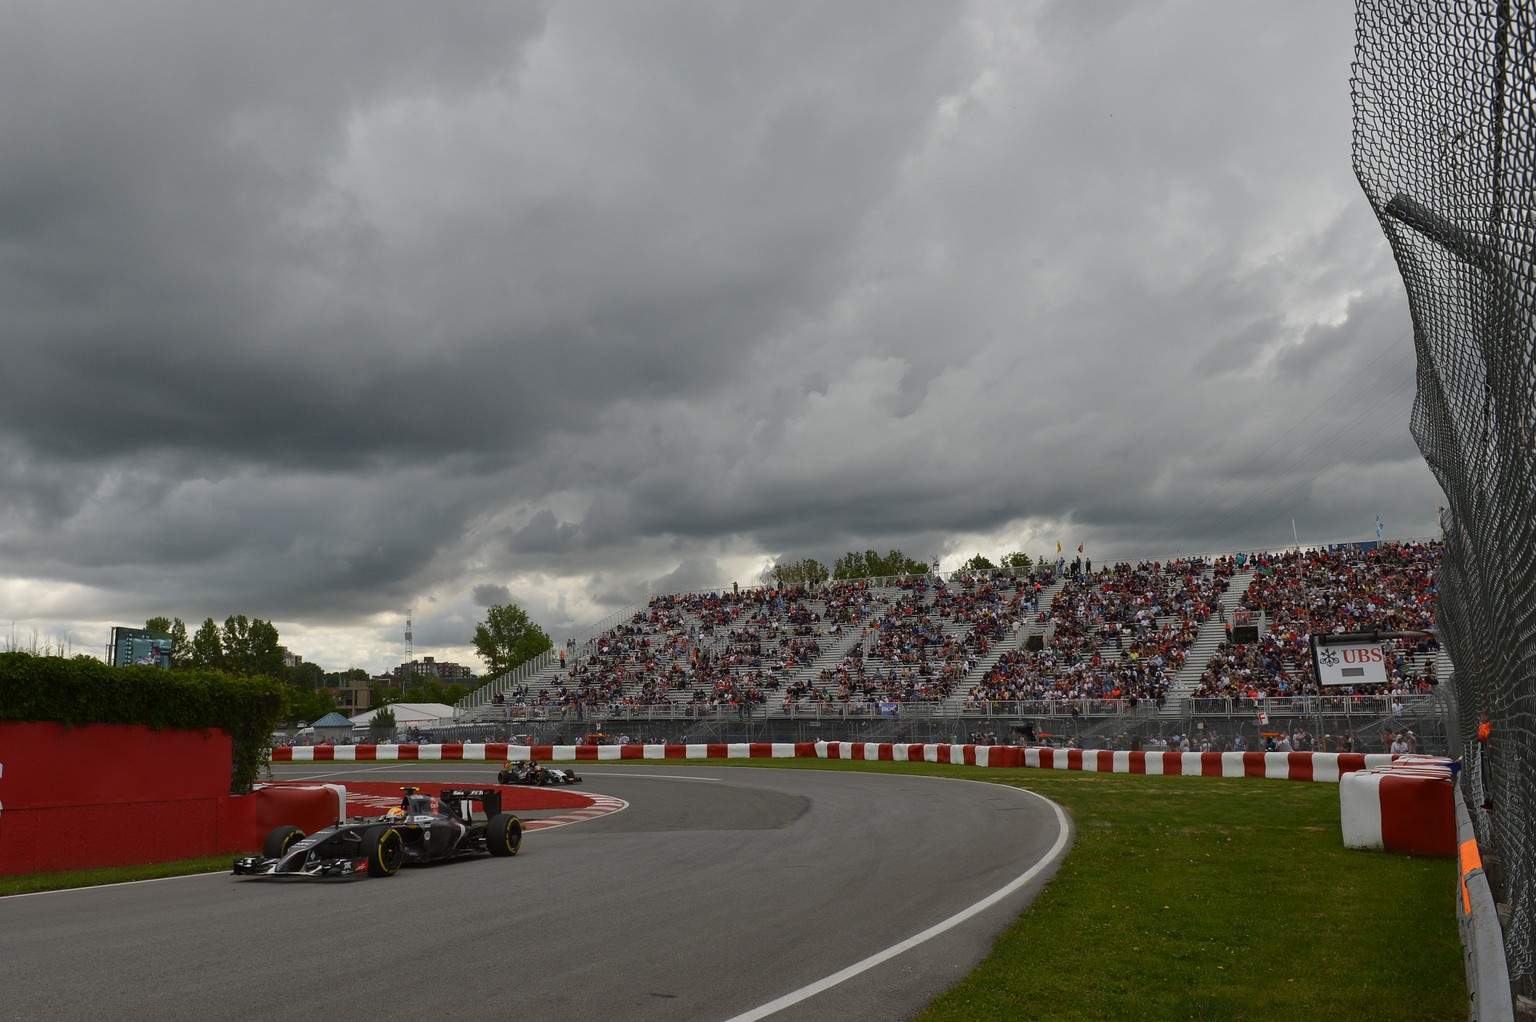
(1058, 546)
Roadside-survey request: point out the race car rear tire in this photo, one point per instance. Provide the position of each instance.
(279, 841)
(386, 851)
(504, 835)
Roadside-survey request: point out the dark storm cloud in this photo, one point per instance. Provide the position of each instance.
(692, 573)
(319, 313)
(543, 534)
(491, 594)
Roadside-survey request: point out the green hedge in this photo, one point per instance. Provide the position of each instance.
(86, 691)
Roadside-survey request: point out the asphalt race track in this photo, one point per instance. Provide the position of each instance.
(721, 893)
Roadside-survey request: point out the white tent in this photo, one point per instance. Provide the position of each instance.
(409, 714)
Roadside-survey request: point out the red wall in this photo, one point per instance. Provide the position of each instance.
(115, 794)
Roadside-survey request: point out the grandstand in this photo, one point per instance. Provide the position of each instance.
(1209, 651)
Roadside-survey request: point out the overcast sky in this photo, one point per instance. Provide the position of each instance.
(320, 312)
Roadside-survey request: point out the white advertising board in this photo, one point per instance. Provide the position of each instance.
(1351, 663)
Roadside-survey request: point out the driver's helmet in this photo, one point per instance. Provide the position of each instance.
(396, 813)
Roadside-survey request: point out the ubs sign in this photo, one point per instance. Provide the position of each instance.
(1349, 662)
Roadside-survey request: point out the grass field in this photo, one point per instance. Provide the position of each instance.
(1183, 898)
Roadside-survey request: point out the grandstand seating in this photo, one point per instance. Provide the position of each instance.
(1147, 639)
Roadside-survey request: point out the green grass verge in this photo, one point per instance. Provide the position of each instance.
(1211, 898)
(1183, 898)
(31, 883)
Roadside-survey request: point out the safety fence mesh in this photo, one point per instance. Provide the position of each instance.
(1443, 147)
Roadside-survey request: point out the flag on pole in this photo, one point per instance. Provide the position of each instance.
(1380, 528)
(1079, 548)
(1058, 546)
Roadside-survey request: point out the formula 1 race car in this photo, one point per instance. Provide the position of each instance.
(421, 829)
(531, 773)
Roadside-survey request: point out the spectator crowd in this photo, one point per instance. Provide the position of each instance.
(1116, 635)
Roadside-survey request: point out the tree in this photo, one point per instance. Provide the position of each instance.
(179, 642)
(869, 564)
(381, 723)
(428, 688)
(206, 650)
(382, 695)
(251, 647)
(978, 563)
(1017, 562)
(247, 646)
(507, 638)
(850, 565)
(178, 633)
(306, 677)
(309, 706)
(423, 689)
(807, 572)
(339, 679)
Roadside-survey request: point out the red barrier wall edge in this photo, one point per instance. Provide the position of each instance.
(310, 807)
(112, 795)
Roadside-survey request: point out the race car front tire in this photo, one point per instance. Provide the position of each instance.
(279, 841)
(504, 835)
(386, 851)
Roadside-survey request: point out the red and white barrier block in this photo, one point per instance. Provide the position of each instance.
(1275, 766)
(1328, 767)
(1406, 807)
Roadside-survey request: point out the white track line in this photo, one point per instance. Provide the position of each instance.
(821, 985)
(118, 883)
(645, 777)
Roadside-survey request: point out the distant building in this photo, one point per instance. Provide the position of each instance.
(290, 659)
(427, 667)
(352, 695)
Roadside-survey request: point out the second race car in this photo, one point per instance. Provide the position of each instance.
(531, 773)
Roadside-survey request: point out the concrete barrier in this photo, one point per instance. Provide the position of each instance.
(1482, 938)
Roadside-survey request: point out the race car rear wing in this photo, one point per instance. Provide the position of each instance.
(463, 800)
